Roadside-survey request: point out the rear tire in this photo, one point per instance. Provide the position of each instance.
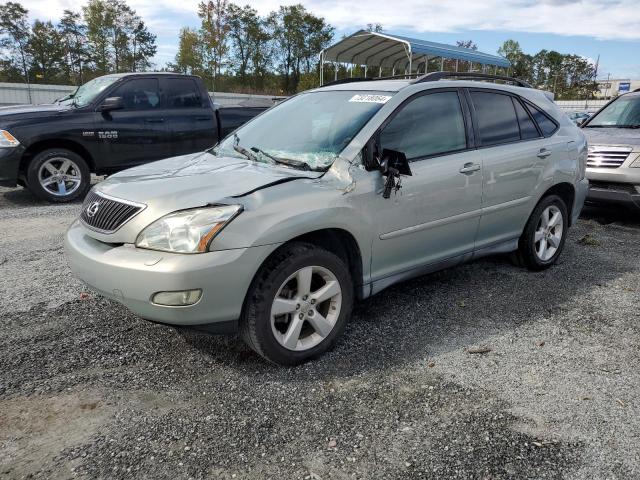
(544, 235)
(314, 290)
(58, 175)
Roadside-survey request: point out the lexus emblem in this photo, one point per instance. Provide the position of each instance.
(92, 209)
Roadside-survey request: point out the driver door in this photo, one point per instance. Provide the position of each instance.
(434, 217)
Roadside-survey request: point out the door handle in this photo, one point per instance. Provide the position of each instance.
(470, 168)
(544, 153)
(203, 119)
(154, 120)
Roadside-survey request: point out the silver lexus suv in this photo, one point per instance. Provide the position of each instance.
(613, 166)
(332, 196)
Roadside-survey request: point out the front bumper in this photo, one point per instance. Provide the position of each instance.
(10, 165)
(609, 185)
(133, 275)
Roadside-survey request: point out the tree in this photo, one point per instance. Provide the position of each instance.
(374, 27)
(213, 34)
(99, 20)
(118, 39)
(299, 36)
(189, 57)
(74, 38)
(16, 34)
(47, 52)
(520, 62)
(470, 44)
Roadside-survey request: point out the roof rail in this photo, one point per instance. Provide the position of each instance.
(435, 76)
(406, 76)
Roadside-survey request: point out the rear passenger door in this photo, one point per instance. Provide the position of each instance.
(514, 156)
(191, 121)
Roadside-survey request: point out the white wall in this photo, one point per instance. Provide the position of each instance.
(19, 94)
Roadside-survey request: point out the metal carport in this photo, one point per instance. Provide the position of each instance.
(405, 54)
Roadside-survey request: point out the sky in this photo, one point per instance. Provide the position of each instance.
(590, 28)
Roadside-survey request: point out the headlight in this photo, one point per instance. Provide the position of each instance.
(8, 140)
(187, 231)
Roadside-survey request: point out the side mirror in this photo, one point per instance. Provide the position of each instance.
(394, 160)
(111, 103)
(392, 165)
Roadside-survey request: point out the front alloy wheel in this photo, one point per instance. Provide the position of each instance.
(306, 308)
(298, 304)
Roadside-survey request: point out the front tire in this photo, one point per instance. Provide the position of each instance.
(58, 175)
(544, 235)
(298, 304)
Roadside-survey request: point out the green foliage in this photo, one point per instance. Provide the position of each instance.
(107, 37)
(567, 76)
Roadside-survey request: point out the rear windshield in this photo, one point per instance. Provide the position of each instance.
(310, 129)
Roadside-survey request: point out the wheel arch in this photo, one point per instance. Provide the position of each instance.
(566, 191)
(339, 242)
(42, 145)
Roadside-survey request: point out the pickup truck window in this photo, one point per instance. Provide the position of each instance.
(85, 94)
(307, 131)
(428, 125)
(182, 93)
(139, 94)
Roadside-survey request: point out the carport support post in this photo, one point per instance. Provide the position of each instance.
(442, 64)
(456, 65)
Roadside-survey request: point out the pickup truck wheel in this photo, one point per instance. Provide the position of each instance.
(58, 175)
(544, 235)
(298, 304)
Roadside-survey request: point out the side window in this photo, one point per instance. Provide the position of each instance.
(547, 125)
(496, 118)
(528, 129)
(428, 125)
(139, 94)
(182, 93)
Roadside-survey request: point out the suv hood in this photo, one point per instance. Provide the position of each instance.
(613, 136)
(195, 180)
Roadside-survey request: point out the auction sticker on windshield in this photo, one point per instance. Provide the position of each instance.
(370, 98)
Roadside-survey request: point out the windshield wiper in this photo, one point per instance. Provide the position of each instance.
(614, 126)
(288, 161)
(241, 150)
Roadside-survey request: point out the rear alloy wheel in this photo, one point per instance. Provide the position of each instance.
(58, 175)
(544, 235)
(297, 305)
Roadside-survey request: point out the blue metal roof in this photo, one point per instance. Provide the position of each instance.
(387, 49)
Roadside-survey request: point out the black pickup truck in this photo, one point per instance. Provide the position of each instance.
(109, 124)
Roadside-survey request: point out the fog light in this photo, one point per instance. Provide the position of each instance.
(181, 298)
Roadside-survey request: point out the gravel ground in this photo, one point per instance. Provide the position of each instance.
(87, 390)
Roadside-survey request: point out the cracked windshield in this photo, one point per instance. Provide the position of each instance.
(306, 132)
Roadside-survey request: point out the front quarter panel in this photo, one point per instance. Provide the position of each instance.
(283, 212)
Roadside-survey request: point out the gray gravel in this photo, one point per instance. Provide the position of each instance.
(87, 390)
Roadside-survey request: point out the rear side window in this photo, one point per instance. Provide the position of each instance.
(182, 93)
(547, 125)
(528, 129)
(496, 117)
(428, 125)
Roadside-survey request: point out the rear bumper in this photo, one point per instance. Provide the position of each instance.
(132, 276)
(9, 165)
(582, 188)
